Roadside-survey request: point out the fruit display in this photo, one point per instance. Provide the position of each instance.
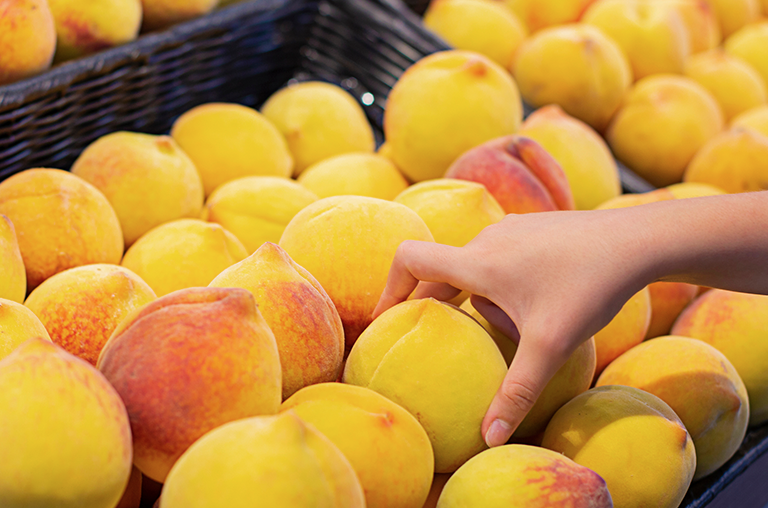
(194, 310)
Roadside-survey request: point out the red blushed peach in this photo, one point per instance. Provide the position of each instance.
(187, 363)
(518, 172)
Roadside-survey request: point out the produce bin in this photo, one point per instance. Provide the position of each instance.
(243, 54)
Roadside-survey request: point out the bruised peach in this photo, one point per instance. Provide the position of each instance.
(307, 328)
(626, 330)
(13, 276)
(525, 477)
(518, 172)
(61, 222)
(187, 363)
(348, 244)
(82, 306)
(28, 39)
(18, 324)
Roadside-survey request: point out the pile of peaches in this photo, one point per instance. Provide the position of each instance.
(195, 310)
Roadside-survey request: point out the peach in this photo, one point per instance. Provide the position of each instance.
(736, 161)
(627, 200)
(434, 96)
(518, 172)
(668, 299)
(13, 276)
(576, 67)
(488, 28)
(755, 119)
(356, 174)
(700, 385)
(132, 494)
(734, 14)
(749, 44)
(17, 325)
(573, 378)
(182, 254)
(306, 325)
(187, 363)
(654, 37)
(625, 331)
(85, 27)
(277, 460)
(229, 141)
(525, 477)
(82, 306)
(319, 120)
(61, 222)
(538, 14)
(386, 446)
(663, 122)
(700, 21)
(148, 180)
(632, 439)
(735, 324)
(256, 209)
(348, 244)
(162, 13)
(736, 85)
(454, 210)
(450, 393)
(65, 435)
(685, 190)
(585, 158)
(438, 484)
(28, 39)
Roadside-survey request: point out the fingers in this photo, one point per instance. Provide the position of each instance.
(420, 261)
(532, 368)
(437, 290)
(497, 317)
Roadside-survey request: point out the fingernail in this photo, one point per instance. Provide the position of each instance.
(498, 433)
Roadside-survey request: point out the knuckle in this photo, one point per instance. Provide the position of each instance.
(518, 395)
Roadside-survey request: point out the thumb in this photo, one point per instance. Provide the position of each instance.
(532, 367)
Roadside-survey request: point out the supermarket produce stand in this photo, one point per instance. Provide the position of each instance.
(242, 54)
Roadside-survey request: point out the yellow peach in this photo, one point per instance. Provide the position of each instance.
(581, 152)
(65, 435)
(187, 363)
(685, 190)
(306, 325)
(28, 39)
(627, 200)
(700, 385)
(755, 119)
(668, 299)
(701, 22)
(348, 244)
(538, 14)
(654, 37)
(278, 460)
(576, 67)
(319, 120)
(438, 93)
(17, 325)
(82, 306)
(749, 44)
(525, 477)
(734, 14)
(83, 28)
(735, 161)
(148, 180)
(631, 438)
(163, 13)
(625, 331)
(736, 85)
(229, 141)
(488, 28)
(256, 209)
(454, 210)
(386, 446)
(61, 222)
(182, 254)
(13, 276)
(735, 324)
(663, 122)
(448, 395)
(356, 174)
(573, 378)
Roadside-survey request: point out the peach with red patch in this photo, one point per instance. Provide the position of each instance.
(307, 327)
(526, 477)
(518, 172)
(187, 363)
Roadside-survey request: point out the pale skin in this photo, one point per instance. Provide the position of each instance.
(552, 280)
